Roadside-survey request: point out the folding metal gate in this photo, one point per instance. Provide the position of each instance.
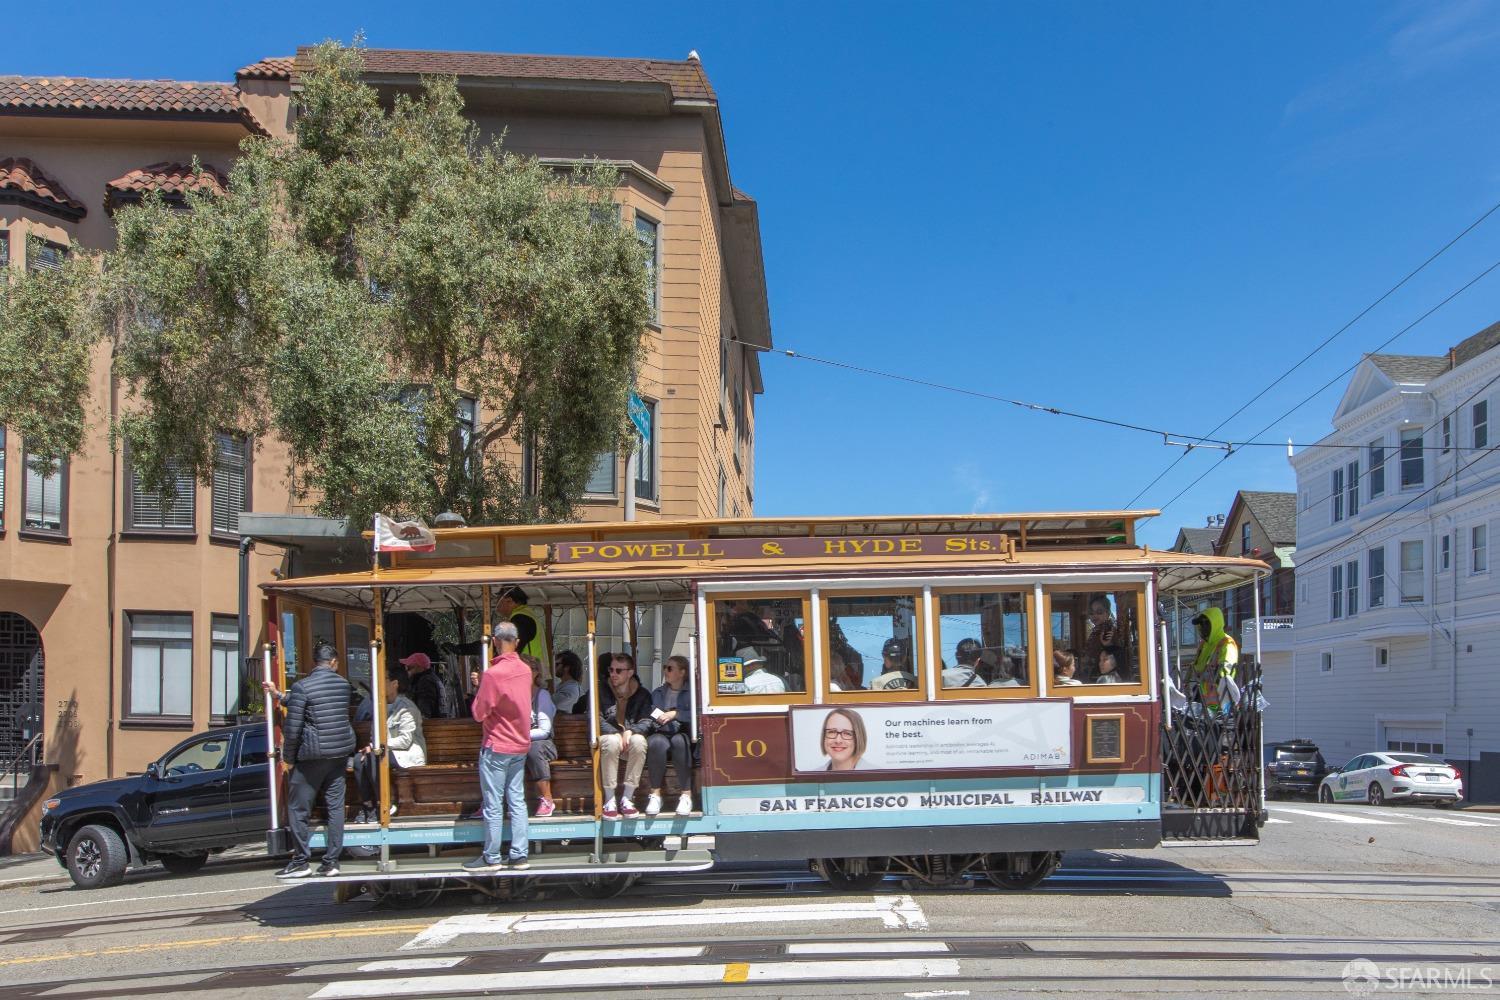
(1211, 765)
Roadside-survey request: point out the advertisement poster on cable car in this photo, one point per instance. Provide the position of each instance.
(931, 737)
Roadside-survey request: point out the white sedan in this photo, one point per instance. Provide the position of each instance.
(1379, 778)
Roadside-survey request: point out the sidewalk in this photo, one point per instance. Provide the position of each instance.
(22, 870)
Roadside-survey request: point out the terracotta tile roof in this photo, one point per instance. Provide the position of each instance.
(269, 68)
(685, 79)
(21, 182)
(39, 95)
(173, 180)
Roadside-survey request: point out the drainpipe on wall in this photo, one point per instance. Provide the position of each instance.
(246, 545)
(110, 559)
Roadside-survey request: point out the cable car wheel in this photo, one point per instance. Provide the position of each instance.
(414, 895)
(851, 874)
(600, 886)
(1021, 870)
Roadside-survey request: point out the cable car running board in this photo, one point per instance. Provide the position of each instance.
(423, 868)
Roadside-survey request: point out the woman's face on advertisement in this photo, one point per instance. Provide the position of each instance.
(838, 738)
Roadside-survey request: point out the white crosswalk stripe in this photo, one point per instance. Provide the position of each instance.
(1337, 817)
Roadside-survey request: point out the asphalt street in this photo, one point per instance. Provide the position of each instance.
(1411, 889)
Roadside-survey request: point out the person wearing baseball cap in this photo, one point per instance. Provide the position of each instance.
(897, 676)
(426, 690)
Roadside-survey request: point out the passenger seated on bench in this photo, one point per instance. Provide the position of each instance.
(569, 681)
(671, 733)
(543, 750)
(403, 739)
(624, 718)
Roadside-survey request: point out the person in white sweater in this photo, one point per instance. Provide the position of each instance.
(403, 741)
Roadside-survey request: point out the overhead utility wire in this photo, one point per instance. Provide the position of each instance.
(1328, 340)
(1317, 392)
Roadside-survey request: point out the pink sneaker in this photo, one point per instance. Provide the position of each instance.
(545, 808)
(610, 812)
(628, 809)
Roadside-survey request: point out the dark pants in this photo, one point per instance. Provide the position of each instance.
(367, 777)
(313, 780)
(539, 760)
(658, 746)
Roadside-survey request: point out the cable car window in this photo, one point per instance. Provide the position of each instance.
(984, 644)
(1095, 640)
(873, 645)
(760, 648)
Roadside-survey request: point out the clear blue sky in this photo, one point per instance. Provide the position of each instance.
(1143, 211)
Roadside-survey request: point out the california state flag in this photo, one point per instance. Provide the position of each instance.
(402, 536)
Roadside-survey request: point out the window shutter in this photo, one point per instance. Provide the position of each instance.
(230, 492)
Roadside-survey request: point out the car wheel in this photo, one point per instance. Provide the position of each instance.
(184, 864)
(96, 857)
(1376, 795)
(1325, 795)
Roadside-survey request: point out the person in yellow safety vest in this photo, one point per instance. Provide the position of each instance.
(533, 634)
(1213, 667)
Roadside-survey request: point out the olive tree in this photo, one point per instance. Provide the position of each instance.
(348, 294)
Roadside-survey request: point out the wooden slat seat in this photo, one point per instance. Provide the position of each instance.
(449, 783)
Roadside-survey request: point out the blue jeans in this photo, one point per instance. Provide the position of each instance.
(502, 776)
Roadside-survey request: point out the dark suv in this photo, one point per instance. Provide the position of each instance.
(1294, 767)
(206, 794)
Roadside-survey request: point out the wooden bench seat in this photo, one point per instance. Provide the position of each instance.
(449, 783)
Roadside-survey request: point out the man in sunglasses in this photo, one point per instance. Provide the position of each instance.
(624, 719)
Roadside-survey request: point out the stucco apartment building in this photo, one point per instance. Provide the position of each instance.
(118, 613)
(1397, 632)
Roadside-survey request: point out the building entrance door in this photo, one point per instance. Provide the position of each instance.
(20, 685)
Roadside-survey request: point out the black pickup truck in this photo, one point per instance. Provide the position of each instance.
(206, 794)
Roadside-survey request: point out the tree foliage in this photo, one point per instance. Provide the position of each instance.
(345, 294)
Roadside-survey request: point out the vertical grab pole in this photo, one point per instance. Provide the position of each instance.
(484, 640)
(378, 724)
(692, 677)
(594, 683)
(1260, 727)
(268, 674)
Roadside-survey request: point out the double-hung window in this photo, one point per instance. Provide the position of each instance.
(1351, 585)
(44, 255)
(1447, 432)
(1479, 548)
(1375, 563)
(1336, 495)
(645, 465)
(1351, 488)
(1245, 538)
(1336, 592)
(1377, 468)
(156, 510)
(159, 682)
(1411, 457)
(1446, 554)
(1481, 419)
(1411, 572)
(601, 481)
(231, 486)
(649, 233)
(44, 496)
(225, 682)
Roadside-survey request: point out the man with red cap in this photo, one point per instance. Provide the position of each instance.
(426, 688)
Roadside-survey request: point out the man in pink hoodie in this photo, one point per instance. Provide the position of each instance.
(502, 707)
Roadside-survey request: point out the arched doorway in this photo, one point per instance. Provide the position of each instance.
(20, 685)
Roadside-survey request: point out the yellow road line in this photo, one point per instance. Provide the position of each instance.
(333, 933)
(736, 972)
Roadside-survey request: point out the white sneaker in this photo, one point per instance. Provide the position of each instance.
(685, 804)
(653, 804)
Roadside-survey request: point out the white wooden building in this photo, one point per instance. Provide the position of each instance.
(1397, 635)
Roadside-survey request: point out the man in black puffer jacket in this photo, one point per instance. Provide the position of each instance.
(316, 743)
